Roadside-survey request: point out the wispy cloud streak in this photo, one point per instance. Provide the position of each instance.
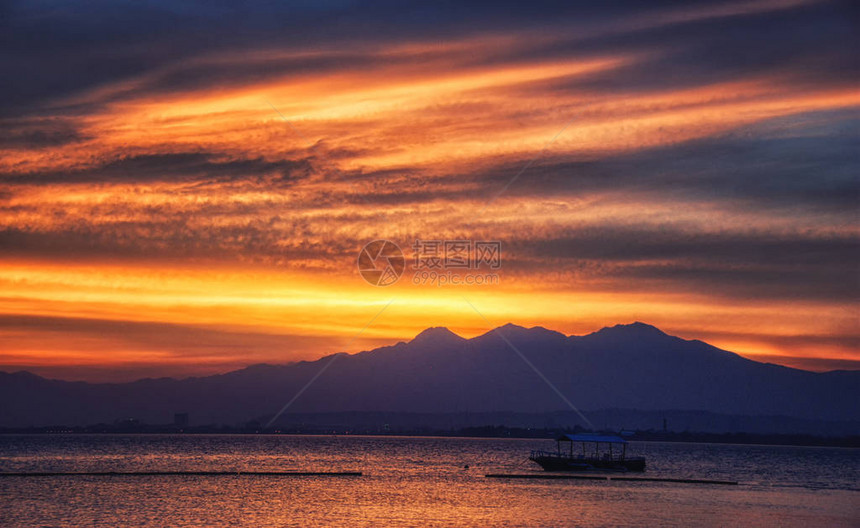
(700, 156)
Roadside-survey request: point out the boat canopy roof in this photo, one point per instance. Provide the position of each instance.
(610, 439)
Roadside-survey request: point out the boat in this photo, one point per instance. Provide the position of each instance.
(612, 456)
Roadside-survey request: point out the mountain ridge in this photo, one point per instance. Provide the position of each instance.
(431, 331)
(625, 366)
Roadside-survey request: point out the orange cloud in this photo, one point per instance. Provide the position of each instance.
(201, 208)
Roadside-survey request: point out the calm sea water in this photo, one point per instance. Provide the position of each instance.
(412, 482)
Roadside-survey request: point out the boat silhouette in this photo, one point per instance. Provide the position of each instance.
(598, 452)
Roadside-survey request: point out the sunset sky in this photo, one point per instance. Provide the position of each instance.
(184, 190)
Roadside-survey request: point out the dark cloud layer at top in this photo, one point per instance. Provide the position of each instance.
(58, 49)
(808, 44)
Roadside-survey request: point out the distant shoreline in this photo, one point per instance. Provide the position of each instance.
(468, 432)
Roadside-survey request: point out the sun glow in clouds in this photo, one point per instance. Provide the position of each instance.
(711, 199)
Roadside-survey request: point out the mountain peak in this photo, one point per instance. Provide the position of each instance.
(634, 329)
(511, 327)
(507, 330)
(436, 334)
(513, 331)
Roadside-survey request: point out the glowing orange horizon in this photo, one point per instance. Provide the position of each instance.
(278, 316)
(256, 263)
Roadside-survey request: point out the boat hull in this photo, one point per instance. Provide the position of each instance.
(556, 463)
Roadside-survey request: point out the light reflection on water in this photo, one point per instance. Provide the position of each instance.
(411, 481)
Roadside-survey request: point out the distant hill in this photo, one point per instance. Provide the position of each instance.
(633, 366)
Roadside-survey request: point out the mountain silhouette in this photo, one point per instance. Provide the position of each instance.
(632, 366)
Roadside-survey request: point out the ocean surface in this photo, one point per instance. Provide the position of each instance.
(411, 482)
